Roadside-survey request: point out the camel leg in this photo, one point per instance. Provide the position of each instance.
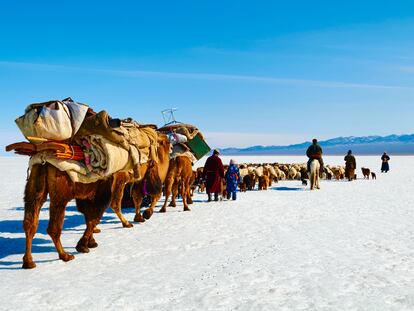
(57, 216)
(167, 189)
(149, 211)
(83, 243)
(87, 241)
(137, 196)
(35, 196)
(184, 194)
(30, 223)
(190, 199)
(174, 196)
(117, 194)
(93, 211)
(61, 191)
(190, 194)
(93, 214)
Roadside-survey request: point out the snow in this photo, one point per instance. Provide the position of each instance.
(348, 246)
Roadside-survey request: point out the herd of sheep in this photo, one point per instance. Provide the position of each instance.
(263, 175)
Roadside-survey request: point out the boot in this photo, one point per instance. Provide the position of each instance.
(216, 198)
(209, 197)
(234, 196)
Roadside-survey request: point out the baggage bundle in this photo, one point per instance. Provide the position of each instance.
(186, 139)
(87, 145)
(53, 120)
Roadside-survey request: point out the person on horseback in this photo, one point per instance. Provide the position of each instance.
(315, 152)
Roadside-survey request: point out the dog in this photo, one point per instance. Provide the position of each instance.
(366, 172)
(373, 175)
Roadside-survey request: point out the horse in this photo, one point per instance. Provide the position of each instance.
(314, 174)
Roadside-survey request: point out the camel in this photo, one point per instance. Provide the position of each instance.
(179, 177)
(314, 174)
(154, 176)
(91, 200)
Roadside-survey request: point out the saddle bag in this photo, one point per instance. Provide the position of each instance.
(52, 120)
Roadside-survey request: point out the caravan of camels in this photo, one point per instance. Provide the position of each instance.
(76, 153)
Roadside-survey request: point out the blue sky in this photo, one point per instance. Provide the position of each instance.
(244, 72)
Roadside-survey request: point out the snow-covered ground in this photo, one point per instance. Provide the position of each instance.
(348, 246)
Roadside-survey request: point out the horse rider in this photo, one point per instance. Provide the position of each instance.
(314, 152)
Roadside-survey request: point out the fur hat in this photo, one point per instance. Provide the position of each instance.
(216, 151)
(314, 140)
(233, 162)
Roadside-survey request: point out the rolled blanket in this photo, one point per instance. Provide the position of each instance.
(105, 157)
(109, 158)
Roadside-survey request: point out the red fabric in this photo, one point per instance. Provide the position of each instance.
(315, 156)
(213, 173)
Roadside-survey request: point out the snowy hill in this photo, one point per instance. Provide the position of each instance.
(393, 144)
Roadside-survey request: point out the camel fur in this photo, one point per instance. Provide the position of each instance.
(178, 178)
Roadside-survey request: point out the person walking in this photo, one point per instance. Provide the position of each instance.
(350, 166)
(315, 152)
(233, 178)
(385, 166)
(213, 173)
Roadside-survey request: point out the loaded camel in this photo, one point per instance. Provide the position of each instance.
(179, 176)
(154, 177)
(91, 199)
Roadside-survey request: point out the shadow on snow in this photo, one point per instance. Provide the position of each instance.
(288, 188)
(16, 245)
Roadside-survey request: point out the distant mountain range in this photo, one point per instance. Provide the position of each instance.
(393, 144)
